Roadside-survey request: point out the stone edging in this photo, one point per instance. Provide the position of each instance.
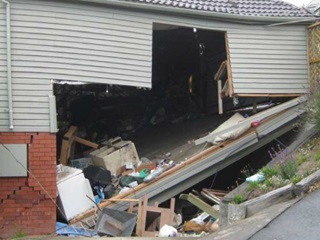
(262, 202)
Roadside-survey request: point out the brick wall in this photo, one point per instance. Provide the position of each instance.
(25, 207)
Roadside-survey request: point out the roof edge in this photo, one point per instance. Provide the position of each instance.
(226, 16)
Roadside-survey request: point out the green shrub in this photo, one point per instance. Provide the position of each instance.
(238, 198)
(288, 170)
(295, 179)
(268, 172)
(253, 185)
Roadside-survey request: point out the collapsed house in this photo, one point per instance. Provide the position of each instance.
(163, 75)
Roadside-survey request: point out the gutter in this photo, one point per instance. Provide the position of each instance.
(198, 13)
(9, 71)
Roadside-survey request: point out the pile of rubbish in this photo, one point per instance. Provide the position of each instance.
(106, 171)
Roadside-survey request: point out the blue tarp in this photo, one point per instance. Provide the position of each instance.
(72, 231)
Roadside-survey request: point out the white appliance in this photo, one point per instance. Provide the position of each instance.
(74, 193)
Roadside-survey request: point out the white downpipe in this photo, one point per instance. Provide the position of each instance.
(9, 71)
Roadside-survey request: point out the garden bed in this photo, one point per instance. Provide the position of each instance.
(288, 175)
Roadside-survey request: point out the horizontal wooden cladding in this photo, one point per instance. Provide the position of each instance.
(80, 74)
(278, 85)
(116, 32)
(54, 62)
(284, 47)
(64, 19)
(248, 55)
(275, 66)
(34, 87)
(77, 69)
(272, 90)
(264, 70)
(264, 75)
(80, 42)
(83, 38)
(254, 59)
(41, 99)
(31, 110)
(40, 50)
(262, 80)
(22, 107)
(25, 124)
(252, 38)
(30, 116)
(24, 92)
(45, 56)
(71, 76)
(282, 31)
(77, 45)
(62, 9)
(265, 51)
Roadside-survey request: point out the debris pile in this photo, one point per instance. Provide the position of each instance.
(115, 167)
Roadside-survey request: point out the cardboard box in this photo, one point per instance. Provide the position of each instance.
(115, 156)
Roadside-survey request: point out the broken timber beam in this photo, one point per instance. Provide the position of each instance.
(68, 144)
(200, 204)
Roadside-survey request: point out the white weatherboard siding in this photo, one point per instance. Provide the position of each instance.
(269, 61)
(70, 40)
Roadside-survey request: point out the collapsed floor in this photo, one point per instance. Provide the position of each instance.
(162, 122)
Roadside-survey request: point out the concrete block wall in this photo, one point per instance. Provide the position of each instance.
(27, 204)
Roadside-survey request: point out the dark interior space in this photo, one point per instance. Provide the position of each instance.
(180, 106)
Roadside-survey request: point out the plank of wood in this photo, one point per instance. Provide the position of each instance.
(220, 74)
(211, 198)
(67, 149)
(200, 204)
(220, 106)
(86, 142)
(229, 73)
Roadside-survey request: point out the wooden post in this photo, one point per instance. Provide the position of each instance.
(219, 97)
(254, 106)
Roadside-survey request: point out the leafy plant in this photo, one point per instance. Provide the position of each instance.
(288, 170)
(295, 179)
(253, 185)
(268, 172)
(317, 155)
(238, 198)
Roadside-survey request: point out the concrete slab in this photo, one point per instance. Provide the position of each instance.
(246, 228)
